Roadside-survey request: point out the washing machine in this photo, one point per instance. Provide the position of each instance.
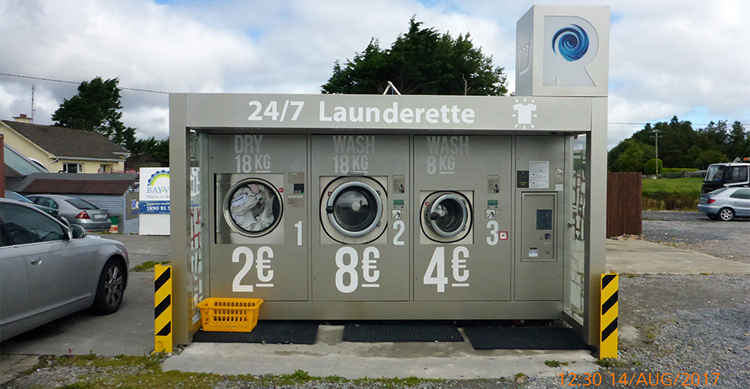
(360, 247)
(250, 208)
(446, 217)
(463, 188)
(352, 208)
(260, 216)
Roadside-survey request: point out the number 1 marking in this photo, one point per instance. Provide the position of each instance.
(299, 232)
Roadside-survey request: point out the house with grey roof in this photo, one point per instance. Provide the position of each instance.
(61, 149)
(35, 156)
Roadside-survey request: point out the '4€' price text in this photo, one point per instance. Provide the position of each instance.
(272, 110)
(640, 379)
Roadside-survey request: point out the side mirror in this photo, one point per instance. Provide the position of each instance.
(77, 231)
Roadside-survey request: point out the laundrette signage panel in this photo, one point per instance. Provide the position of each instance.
(388, 112)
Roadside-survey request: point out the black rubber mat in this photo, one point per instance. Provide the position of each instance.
(401, 332)
(525, 338)
(274, 332)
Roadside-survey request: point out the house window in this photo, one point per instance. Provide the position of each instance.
(105, 168)
(72, 167)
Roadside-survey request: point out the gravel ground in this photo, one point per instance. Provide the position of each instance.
(694, 231)
(668, 324)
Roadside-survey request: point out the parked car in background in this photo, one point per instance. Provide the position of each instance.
(49, 270)
(725, 203)
(76, 211)
(9, 194)
(726, 174)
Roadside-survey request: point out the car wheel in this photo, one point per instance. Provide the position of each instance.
(712, 216)
(726, 214)
(110, 289)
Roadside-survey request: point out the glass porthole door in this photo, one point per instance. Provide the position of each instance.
(446, 216)
(252, 207)
(354, 209)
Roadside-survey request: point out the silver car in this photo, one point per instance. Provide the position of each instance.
(725, 203)
(49, 270)
(76, 211)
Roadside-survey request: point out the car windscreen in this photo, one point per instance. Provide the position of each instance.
(81, 204)
(9, 194)
(714, 173)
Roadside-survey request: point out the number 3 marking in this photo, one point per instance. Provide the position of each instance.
(494, 228)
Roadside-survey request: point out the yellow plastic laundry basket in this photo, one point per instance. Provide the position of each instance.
(229, 314)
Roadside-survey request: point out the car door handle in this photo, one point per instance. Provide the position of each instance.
(35, 260)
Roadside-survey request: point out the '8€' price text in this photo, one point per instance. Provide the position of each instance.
(639, 379)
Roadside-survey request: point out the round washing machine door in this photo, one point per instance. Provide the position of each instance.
(446, 216)
(253, 207)
(352, 209)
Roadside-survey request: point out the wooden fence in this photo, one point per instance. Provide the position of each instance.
(623, 204)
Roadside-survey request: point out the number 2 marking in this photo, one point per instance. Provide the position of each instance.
(401, 227)
(237, 283)
(254, 115)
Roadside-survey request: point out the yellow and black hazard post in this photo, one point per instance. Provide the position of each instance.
(608, 319)
(163, 309)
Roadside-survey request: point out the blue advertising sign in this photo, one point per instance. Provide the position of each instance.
(154, 207)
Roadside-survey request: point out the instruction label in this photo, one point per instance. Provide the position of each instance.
(539, 174)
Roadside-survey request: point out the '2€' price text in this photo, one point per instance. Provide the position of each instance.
(272, 110)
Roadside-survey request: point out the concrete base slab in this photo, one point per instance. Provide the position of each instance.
(643, 257)
(330, 356)
(11, 365)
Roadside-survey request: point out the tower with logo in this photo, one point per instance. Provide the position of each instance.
(563, 51)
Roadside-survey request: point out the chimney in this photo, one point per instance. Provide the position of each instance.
(22, 119)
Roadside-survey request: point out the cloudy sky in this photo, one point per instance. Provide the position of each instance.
(687, 58)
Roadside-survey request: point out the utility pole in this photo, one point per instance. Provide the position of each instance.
(656, 137)
(33, 87)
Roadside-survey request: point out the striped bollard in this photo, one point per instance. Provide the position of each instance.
(608, 319)
(163, 309)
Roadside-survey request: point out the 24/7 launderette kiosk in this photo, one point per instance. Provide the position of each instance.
(384, 207)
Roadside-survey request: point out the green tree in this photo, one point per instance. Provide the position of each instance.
(631, 160)
(649, 167)
(613, 156)
(422, 61)
(739, 141)
(675, 139)
(158, 149)
(96, 107)
(710, 156)
(714, 137)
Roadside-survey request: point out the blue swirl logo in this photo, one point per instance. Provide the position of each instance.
(572, 42)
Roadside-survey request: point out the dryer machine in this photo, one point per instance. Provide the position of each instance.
(259, 248)
(462, 186)
(360, 249)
